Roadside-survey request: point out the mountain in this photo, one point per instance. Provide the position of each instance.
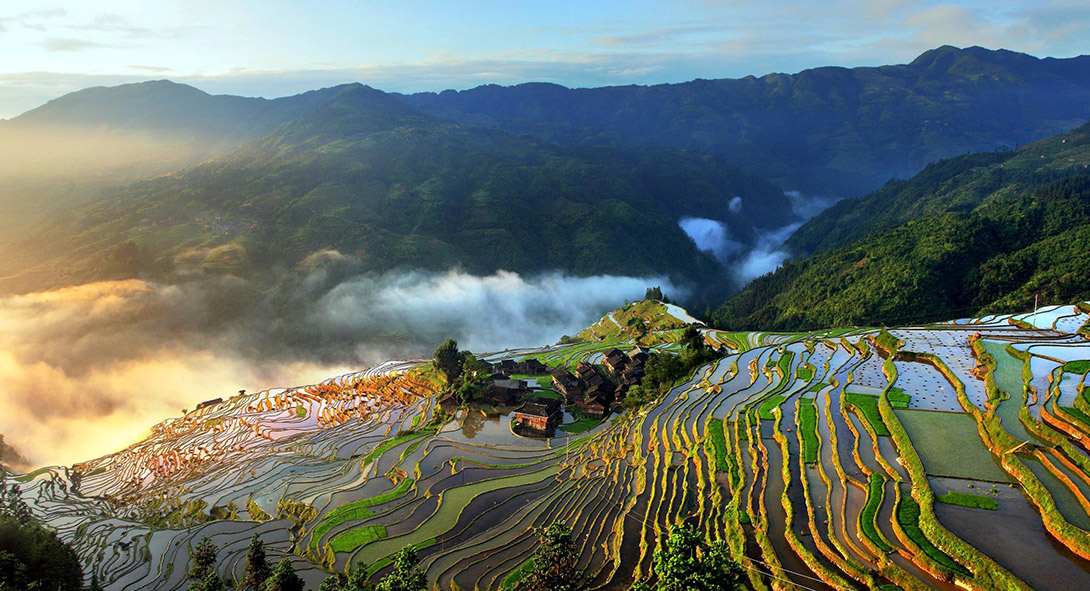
(155, 126)
(828, 131)
(977, 233)
(377, 180)
(905, 458)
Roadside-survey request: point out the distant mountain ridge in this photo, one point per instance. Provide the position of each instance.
(379, 181)
(530, 177)
(832, 131)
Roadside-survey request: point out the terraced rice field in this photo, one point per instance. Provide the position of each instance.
(788, 448)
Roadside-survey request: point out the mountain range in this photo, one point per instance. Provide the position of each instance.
(162, 180)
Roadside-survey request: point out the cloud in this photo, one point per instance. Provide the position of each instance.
(152, 69)
(764, 257)
(32, 20)
(85, 370)
(654, 37)
(56, 44)
(808, 206)
(712, 235)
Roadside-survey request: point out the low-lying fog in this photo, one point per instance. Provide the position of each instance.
(86, 370)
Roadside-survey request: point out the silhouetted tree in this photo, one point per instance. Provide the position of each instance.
(554, 562)
(32, 557)
(448, 361)
(284, 578)
(203, 559)
(692, 339)
(653, 293)
(257, 566)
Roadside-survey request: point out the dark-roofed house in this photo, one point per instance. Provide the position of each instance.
(615, 360)
(532, 367)
(507, 391)
(539, 416)
(594, 407)
(585, 371)
(639, 355)
(505, 366)
(567, 384)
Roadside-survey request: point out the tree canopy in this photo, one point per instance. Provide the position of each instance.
(687, 562)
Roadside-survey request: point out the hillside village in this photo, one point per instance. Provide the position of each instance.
(538, 396)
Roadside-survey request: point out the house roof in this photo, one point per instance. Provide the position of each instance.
(541, 407)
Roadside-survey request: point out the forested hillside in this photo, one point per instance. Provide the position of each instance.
(829, 131)
(375, 179)
(978, 233)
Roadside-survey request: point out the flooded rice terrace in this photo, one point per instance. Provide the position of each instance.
(945, 456)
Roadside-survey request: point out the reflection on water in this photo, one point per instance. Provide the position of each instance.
(472, 424)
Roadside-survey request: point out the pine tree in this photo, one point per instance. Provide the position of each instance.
(204, 561)
(405, 576)
(257, 566)
(283, 578)
(554, 562)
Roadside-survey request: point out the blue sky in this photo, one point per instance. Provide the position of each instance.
(276, 47)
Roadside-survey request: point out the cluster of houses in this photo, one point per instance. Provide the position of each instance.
(586, 389)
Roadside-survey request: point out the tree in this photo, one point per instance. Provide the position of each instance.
(448, 361)
(473, 382)
(405, 576)
(204, 561)
(284, 578)
(688, 563)
(692, 339)
(554, 562)
(257, 566)
(653, 293)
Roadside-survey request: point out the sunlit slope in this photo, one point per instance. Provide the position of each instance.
(819, 457)
(979, 233)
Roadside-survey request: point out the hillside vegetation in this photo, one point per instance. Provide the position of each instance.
(978, 233)
(375, 179)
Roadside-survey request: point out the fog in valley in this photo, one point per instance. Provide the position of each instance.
(86, 370)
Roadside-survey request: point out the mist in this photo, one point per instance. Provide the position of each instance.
(764, 253)
(86, 370)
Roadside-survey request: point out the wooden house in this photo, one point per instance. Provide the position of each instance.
(594, 407)
(615, 360)
(567, 384)
(507, 391)
(539, 416)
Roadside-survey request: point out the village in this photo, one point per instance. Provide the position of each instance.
(537, 396)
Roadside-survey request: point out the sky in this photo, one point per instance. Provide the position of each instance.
(275, 48)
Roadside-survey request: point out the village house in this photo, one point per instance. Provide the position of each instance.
(567, 384)
(639, 355)
(594, 407)
(509, 367)
(539, 416)
(615, 360)
(507, 391)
